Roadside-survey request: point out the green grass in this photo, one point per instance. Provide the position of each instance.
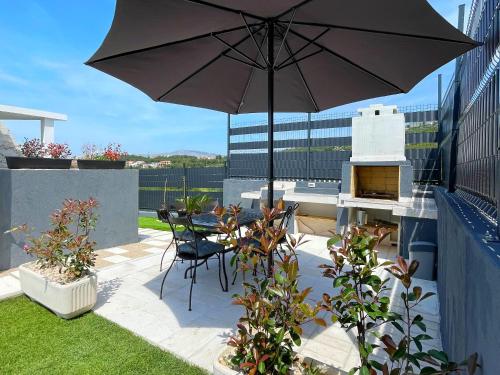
(417, 146)
(35, 341)
(152, 223)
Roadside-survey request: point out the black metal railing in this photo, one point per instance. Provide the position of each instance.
(469, 117)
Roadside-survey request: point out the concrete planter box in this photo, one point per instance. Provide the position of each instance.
(220, 369)
(65, 300)
(18, 162)
(100, 164)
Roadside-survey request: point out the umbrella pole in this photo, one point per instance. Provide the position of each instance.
(270, 130)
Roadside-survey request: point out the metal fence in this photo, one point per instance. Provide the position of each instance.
(469, 116)
(159, 187)
(315, 148)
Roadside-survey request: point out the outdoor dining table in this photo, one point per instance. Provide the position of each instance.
(208, 220)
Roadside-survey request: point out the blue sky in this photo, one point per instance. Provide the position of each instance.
(43, 46)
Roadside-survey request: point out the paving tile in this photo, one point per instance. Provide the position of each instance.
(116, 250)
(116, 259)
(156, 243)
(154, 250)
(9, 287)
(134, 246)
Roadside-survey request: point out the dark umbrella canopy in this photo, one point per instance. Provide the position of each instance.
(244, 56)
(327, 53)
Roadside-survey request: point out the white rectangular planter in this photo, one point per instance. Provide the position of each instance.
(65, 300)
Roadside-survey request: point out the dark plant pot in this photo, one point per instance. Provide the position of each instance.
(17, 162)
(101, 164)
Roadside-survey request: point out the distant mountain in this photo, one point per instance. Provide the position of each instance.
(196, 154)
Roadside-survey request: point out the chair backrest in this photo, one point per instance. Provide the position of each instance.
(288, 215)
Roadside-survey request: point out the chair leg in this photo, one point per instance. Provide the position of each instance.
(220, 276)
(163, 256)
(224, 270)
(165, 277)
(193, 280)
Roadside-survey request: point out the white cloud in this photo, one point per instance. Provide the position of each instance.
(10, 78)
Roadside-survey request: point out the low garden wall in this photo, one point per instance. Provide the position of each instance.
(30, 196)
(468, 282)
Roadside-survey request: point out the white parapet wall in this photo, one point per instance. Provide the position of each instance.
(378, 134)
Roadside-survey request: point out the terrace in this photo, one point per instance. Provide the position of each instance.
(129, 285)
(352, 243)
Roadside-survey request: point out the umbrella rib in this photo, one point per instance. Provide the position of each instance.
(284, 37)
(300, 59)
(250, 76)
(253, 38)
(352, 63)
(246, 90)
(350, 28)
(294, 8)
(171, 43)
(244, 55)
(304, 82)
(302, 48)
(205, 66)
(243, 62)
(227, 9)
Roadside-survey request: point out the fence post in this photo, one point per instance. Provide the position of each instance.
(440, 129)
(184, 182)
(456, 108)
(228, 156)
(308, 146)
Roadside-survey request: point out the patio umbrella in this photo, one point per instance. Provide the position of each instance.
(245, 56)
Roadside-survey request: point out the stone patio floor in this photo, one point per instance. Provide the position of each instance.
(129, 283)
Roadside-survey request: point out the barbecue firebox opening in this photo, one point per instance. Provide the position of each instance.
(375, 182)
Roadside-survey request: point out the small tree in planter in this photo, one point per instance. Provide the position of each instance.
(362, 303)
(406, 355)
(58, 150)
(108, 158)
(33, 148)
(38, 156)
(61, 278)
(274, 307)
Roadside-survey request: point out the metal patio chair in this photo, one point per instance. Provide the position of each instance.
(183, 233)
(197, 251)
(285, 222)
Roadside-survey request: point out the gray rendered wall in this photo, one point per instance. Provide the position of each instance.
(416, 229)
(468, 283)
(30, 196)
(233, 188)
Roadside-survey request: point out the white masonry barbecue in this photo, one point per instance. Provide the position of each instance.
(378, 168)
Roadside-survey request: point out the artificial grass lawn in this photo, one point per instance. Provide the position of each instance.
(152, 223)
(35, 341)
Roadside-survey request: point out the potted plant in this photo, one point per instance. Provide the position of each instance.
(62, 278)
(38, 156)
(274, 307)
(194, 204)
(109, 158)
(361, 303)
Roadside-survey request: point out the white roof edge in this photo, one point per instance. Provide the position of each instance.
(8, 112)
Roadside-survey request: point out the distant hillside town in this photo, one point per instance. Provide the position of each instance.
(175, 160)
